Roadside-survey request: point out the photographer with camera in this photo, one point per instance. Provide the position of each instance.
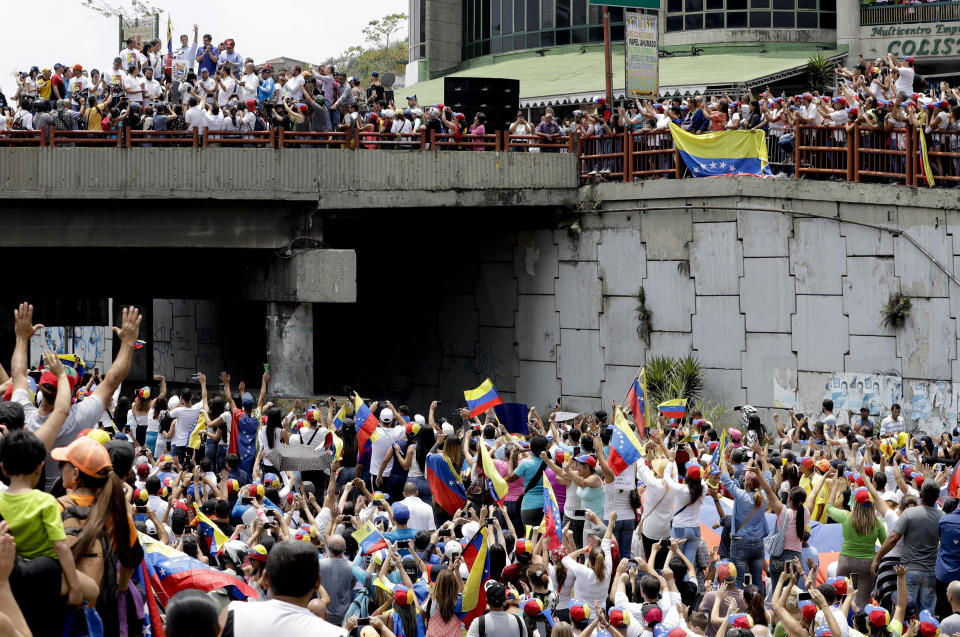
(317, 113)
(521, 126)
(27, 83)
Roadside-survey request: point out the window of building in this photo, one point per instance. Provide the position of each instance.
(693, 15)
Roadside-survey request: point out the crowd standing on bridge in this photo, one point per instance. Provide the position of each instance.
(196, 512)
(218, 89)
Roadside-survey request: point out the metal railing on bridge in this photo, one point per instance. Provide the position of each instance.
(846, 153)
(893, 13)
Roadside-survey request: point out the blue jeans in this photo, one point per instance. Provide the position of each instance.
(692, 535)
(623, 533)
(922, 588)
(216, 454)
(786, 145)
(748, 553)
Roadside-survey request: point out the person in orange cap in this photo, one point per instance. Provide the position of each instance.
(95, 490)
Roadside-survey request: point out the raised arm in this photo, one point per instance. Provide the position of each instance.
(50, 429)
(25, 329)
(263, 390)
(127, 333)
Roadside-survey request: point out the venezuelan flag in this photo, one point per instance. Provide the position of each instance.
(335, 443)
(473, 601)
(472, 549)
(482, 398)
(718, 452)
(924, 157)
(675, 408)
(366, 423)
(448, 491)
(625, 447)
(637, 400)
(369, 538)
(551, 515)
(498, 486)
(338, 419)
(171, 571)
(210, 531)
(196, 439)
(723, 153)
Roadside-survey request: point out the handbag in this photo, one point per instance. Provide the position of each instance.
(774, 542)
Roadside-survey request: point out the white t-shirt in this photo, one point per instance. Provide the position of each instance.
(890, 519)
(3, 121)
(186, 418)
(820, 620)
(904, 84)
(132, 56)
(152, 90)
(132, 83)
(382, 446)
(82, 415)
(158, 505)
(421, 514)
(229, 90)
(273, 617)
(194, 117)
(294, 87)
(212, 122)
(77, 85)
(249, 84)
(206, 89)
(830, 421)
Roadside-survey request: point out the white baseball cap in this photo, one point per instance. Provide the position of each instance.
(420, 420)
(451, 547)
(447, 429)
(386, 415)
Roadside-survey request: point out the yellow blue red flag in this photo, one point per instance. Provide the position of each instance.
(723, 153)
(637, 400)
(369, 538)
(482, 398)
(675, 408)
(498, 486)
(210, 531)
(552, 522)
(473, 600)
(625, 447)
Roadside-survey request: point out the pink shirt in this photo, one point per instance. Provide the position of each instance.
(515, 488)
(559, 490)
(792, 542)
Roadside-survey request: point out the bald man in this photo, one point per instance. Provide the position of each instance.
(950, 625)
(338, 579)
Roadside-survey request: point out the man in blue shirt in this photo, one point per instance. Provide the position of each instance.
(208, 57)
(230, 58)
(948, 559)
(400, 533)
(267, 85)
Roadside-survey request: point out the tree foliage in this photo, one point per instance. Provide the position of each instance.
(381, 49)
(136, 9)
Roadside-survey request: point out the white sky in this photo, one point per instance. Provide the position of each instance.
(71, 33)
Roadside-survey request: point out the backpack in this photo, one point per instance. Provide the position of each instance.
(100, 561)
(17, 123)
(259, 124)
(360, 606)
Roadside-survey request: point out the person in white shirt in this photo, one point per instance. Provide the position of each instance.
(421, 513)
(226, 87)
(185, 419)
(892, 424)
(194, 115)
(593, 578)
(130, 55)
(903, 75)
(4, 119)
(207, 86)
(151, 88)
(212, 118)
(294, 574)
(76, 86)
(249, 83)
(133, 85)
(294, 86)
(380, 465)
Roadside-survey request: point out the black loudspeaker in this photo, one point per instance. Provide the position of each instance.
(498, 99)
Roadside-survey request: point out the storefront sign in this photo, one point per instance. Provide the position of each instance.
(642, 59)
(920, 40)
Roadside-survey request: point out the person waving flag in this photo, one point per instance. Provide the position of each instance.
(482, 398)
(637, 401)
(625, 447)
(675, 408)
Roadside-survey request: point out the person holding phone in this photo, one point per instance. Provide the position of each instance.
(862, 528)
(749, 524)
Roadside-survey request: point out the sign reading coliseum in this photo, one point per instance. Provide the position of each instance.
(931, 39)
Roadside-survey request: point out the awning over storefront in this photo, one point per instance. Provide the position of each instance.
(561, 76)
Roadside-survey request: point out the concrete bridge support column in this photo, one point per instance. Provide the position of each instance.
(290, 348)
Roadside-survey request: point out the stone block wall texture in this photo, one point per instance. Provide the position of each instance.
(747, 291)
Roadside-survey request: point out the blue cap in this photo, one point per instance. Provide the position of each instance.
(248, 401)
(400, 512)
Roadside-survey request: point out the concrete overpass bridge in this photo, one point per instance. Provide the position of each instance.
(413, 273)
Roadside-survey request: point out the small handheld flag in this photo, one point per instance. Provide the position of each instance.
(210, 531)
(675, 408)
(625, 447)
(482, 398)
(498, 486)
(366, 423)
(637, 400)
(138, 344)
(552, 521)
(448, 491)
(369, 538)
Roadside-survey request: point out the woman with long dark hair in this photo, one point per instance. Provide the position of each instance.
(272, 435)
(95, 516)
(140, 418)
(442, 620)
(420, 441)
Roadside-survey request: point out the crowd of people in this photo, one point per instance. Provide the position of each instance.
(218, 89)
(380, 531)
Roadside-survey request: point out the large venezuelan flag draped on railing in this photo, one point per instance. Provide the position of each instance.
(723, 153)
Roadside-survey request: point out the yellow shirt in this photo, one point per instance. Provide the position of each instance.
(34, 519)
(44, 87)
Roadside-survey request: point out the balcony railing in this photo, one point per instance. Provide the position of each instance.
(891, 13)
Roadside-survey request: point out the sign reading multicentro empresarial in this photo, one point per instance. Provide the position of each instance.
(629, 4)
(642, 61)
